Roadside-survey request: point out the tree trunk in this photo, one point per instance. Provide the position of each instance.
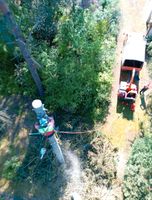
(40, 111)
(32, 64)
(56, 149)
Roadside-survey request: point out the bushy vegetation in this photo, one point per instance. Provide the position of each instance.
(75, 48)
(77, 68)
(6, 56)
(138, 175)
(10, 168)
(80, 74)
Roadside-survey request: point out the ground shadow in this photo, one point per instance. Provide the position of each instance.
(124, 109)
(40, 179)
(35, 179)
(16, 115)
(143, 105)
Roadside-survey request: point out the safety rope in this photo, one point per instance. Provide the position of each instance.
(64, 132)
(75, 132)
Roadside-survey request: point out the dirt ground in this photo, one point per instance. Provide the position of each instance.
(123, 128)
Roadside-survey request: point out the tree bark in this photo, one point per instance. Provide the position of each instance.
(32, 64)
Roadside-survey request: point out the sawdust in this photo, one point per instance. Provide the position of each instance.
(73, 175)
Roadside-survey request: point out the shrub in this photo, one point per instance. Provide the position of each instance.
(76, 69)
(78, 78)
(10, 168)
(149, 49)
(138, 174)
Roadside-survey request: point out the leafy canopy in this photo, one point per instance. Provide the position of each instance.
(78, 78)
(138, 175)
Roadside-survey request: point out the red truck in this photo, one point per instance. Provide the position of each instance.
(133, 58)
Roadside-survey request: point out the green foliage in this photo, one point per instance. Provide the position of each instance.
(47, 13)
(23, 79)
(10, 167)
(149, 57)
(149, 65)
(7, 54)
(6, 43)
(138, 175)
(149, 39)
(149, 49)
(112, 14)
(7, 83)
(76, 70)
(78, 78)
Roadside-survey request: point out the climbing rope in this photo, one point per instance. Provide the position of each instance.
(65, 132)
(75, 132)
